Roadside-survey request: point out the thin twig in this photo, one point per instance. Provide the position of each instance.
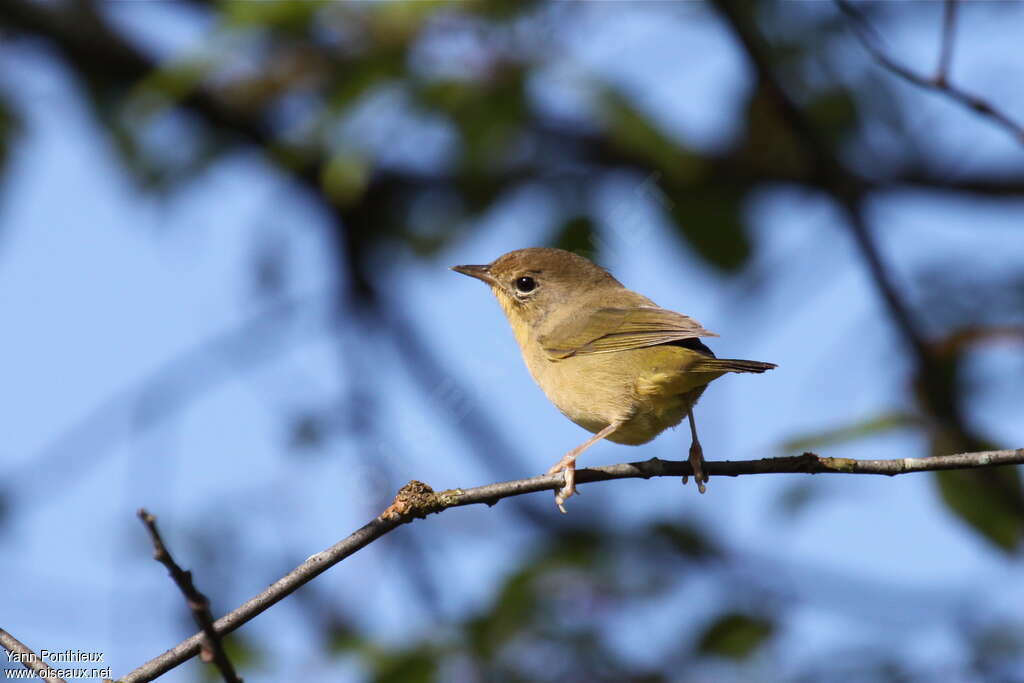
(24, 655)
(212, 649)
(976, 334)
(850, 190)
(899, 310)
(862, 30)
(847, 187)
(416, 500)
(948, 38)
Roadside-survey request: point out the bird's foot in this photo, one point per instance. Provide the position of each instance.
(567, 465)
(697, 463)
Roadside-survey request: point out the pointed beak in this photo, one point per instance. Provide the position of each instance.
(479, 272)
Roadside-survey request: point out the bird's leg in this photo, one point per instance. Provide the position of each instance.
(696, 456)
(568, 465)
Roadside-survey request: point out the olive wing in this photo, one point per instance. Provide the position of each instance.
(619, 329)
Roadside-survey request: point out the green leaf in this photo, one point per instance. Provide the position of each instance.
(489, 115)
(835, 114)
(635, 133)
(686, 539)
(879, 424)
(578, 236)
(243, 654)
(418, 665)
(735, 635)
(769, 141)
(710, 219)
(284, 14)
(514, 608)
(988, 500)
(499, 9)
(520, 602)
(168, 84)
(344, 178)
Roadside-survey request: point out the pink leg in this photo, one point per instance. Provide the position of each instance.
(696, 457)
(568, 465)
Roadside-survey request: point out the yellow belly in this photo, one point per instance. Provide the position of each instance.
(648, 389)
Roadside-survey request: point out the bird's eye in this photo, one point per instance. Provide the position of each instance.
(525, 284)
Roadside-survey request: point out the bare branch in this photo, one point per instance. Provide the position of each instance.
(849, 191)
(995, 186)
(948, 38)
(940, 83)
(847, 187)
(211, 647)
(416, 500)
(277, 591)
(24, 655)
(977, 334)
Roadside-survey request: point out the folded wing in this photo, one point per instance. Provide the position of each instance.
(619, 329)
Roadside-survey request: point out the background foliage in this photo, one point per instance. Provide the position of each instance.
(390, 139)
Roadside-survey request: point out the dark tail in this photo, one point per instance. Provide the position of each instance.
(730, 365)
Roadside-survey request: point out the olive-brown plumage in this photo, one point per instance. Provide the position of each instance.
(610, 359)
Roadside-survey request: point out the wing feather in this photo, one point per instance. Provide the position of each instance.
(618, 329)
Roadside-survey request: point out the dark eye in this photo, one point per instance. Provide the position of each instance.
(525, 284)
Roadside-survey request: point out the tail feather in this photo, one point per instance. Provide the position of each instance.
(730, 365)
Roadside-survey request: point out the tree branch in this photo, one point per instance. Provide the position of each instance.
(948, 38)
(416, 500)
(849, 191)
(25, 656)
(211, 647)
(940, 83)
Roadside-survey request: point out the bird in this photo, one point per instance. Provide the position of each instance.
(610, 359)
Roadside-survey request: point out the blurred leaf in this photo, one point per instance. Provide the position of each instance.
(5, 508)
(513, 609)
(344, 179)
(398, 21)
(735, 636)
(710, 219)
(989, 500)
(10, 127)
(308, 431)
(633, 131)
(499, 9)
(432, 220)
(284, 14)
(360, 75)
(798, 496)
(243, 654)
(769, 142)
(835, 114)
(344, 638)
(577, 235)
(685, 539)
(488, 115)
(520, 602)
(418, 665)
(167, 85)
(871, 426)
(998, 649)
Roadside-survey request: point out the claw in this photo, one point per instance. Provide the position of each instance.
(567, 466)
(697, 463)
